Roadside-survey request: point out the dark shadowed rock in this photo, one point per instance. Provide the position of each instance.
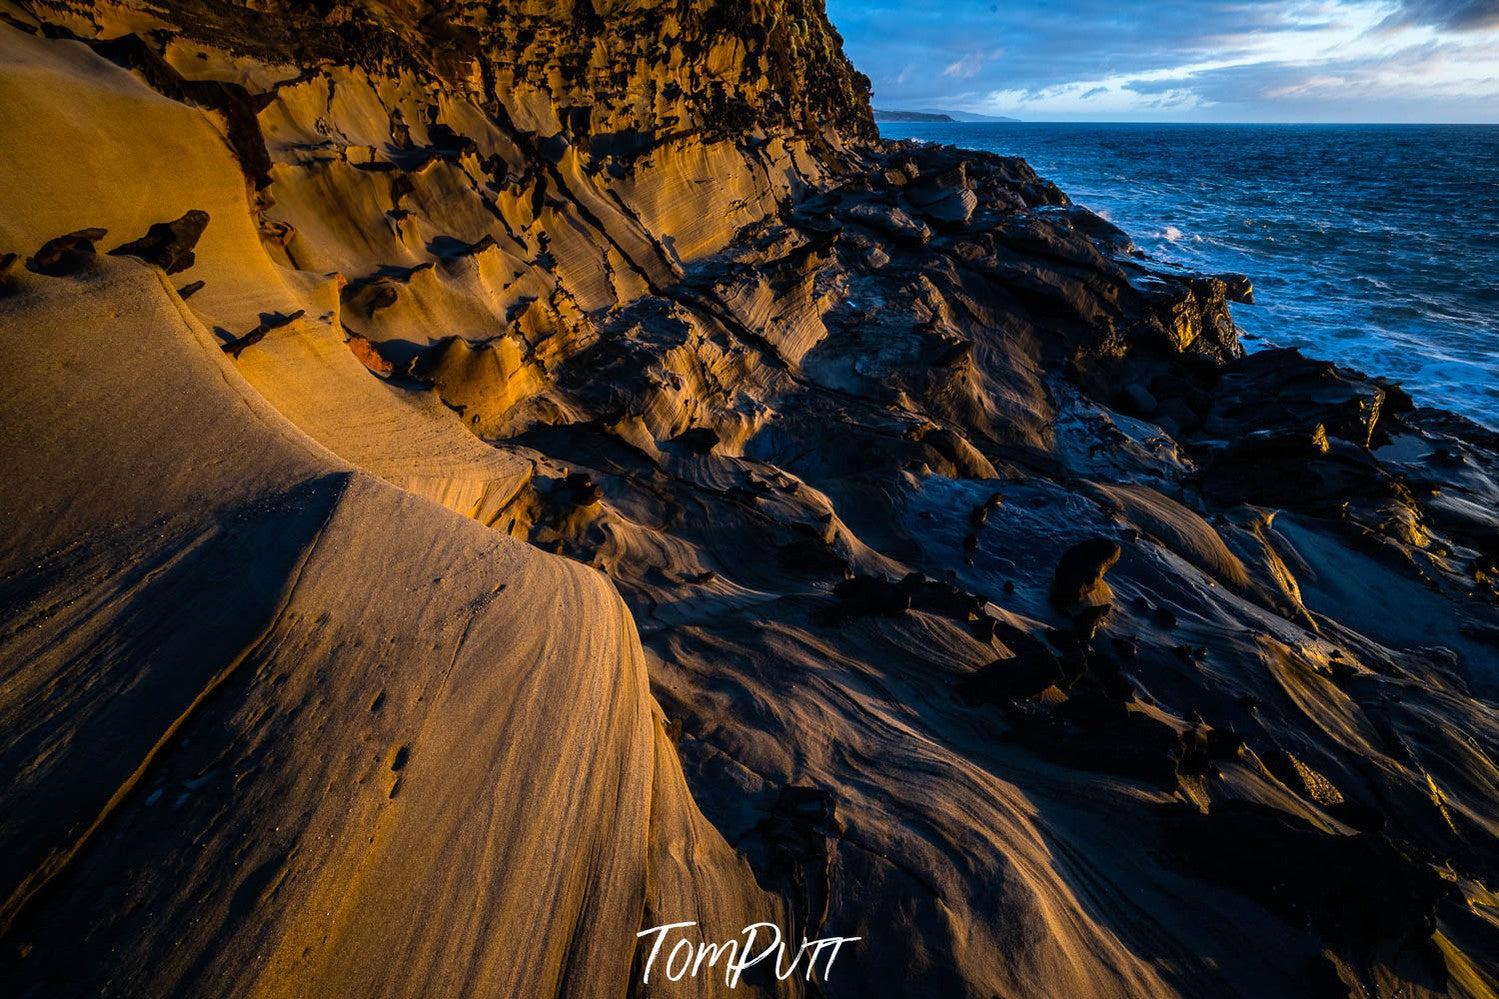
(944, 198)
(578, 489)
(237, 346)
(1224, 744)
(1240, 288)
(168, 245)
(889, 220)
(9, 264)
(1196, 760)
(1103, 734)
(67, 254)
(698, 440)
(809, 553)
(1031, 670)
(1135, 398)
(1282, 389)
(863, 595)
(1090, 706)
(449, 142)
(1079, 577)
(1089, 620)
(939, 597)
(1325, 981)
(1359, 892)
(797, 838)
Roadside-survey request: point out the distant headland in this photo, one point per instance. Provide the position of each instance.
(935, 116)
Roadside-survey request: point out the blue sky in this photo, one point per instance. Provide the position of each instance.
(1190, 60)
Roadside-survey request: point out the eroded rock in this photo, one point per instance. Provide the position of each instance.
(67, 254)
(1079, 576)
(168, 245)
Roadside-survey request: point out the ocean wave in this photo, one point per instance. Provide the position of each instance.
(1351, 259)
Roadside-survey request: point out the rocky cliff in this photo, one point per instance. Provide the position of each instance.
(935, 568)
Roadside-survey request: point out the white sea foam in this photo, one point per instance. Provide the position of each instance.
(1352, 259)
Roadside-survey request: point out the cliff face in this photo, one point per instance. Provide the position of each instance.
(648, 67)
(990, 604)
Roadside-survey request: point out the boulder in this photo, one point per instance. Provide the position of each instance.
(168, 245)
(1079, 577)
(887, 219)
(1104, 735)
(1025, 674)
(1282, 390)
(67, 254)
(947, 206)
(1240, 288)
(9, 263)
(866, 595)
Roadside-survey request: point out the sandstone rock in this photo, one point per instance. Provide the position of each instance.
(369, 355)
(591, 228)
(237, 105)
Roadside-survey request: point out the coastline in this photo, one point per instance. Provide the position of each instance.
(1360, 239)
(523, 517)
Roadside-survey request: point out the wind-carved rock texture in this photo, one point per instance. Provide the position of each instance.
(938, 569)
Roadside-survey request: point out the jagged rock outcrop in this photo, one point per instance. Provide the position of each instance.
(168, 245)
(854, 430)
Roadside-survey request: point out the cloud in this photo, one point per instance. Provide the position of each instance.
(965, 68)
(1457, 15)
(1229, 59)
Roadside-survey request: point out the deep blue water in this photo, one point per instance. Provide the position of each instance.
(1375, 246)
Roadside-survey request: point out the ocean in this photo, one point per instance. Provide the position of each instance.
(1374, 246)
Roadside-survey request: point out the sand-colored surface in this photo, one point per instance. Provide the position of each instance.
(299, 698)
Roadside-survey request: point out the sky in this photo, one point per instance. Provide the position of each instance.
(1181, 60)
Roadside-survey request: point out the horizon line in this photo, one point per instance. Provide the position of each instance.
(1173, 121)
